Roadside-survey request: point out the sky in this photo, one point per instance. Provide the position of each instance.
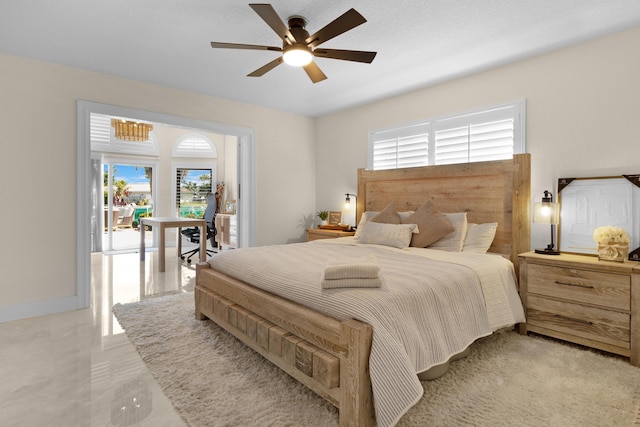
(129, 174)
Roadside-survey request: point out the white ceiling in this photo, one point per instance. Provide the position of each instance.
(419, 42)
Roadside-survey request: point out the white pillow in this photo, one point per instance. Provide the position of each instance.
(366, 216)
(454, 241)
(479, 237)
(396, 235)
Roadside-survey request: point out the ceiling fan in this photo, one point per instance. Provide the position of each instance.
(298, 47)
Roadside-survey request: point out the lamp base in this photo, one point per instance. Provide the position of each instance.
(547, 251)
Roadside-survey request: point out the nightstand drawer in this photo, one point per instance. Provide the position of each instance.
(591, 287)
(592, 323)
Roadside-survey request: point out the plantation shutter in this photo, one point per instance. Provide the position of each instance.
(179, 174)
(99, 131)
(487, 135)
(493, 133)
(401, 148)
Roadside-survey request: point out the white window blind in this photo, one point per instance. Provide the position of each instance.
(402, 148)
(99, 129)
(492, 133)
(194, 145)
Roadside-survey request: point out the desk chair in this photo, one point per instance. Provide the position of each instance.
(193, 234)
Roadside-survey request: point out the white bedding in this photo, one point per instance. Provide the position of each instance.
(431, 305)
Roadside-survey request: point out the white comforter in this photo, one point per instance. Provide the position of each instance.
(431, 305)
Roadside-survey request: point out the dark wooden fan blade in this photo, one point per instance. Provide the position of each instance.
(219, 45)
(265, 68)
(270, 16)
(314, 72)
(350, 19)
(347, 55)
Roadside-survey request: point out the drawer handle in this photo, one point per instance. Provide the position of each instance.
(575, 284)
(571, 319)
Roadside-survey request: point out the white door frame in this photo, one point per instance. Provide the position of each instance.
(246, 203)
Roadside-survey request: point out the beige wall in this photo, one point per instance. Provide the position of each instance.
(583, 110)
(38, 154)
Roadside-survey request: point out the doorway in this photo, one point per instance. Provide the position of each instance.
(246, 179)
(128, 195)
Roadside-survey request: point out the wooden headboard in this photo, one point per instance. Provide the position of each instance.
(496, 191)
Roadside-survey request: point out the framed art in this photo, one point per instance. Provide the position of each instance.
(589, 203)
(335, 217)
(229, 207)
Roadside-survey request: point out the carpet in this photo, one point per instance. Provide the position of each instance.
(212, 379)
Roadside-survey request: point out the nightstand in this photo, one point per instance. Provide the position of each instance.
(580, 299)
(319, 233)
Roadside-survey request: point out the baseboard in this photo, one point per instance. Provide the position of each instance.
(39, 308)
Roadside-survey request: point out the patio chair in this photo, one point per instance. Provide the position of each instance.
(193, 234)
(126, 217)
(114, 219)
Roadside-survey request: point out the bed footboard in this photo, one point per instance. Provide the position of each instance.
(328, 356)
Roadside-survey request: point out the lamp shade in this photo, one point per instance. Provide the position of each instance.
(546, 213)
(349, 210)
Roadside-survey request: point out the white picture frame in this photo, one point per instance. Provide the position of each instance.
(588, 203)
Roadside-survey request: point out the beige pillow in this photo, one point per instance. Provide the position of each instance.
(432, 225)
(388, 215)
(379, 233)
(454, 241)
(366, 217)
(479, 237)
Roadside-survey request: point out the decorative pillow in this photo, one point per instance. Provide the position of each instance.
(388, 215)
(396, 235)
(366, 216)
(455, 240)
(432, 225)
(479, 237)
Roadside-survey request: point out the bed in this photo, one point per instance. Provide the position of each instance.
(321, 346)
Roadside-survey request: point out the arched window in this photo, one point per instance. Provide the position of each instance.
(194, 145)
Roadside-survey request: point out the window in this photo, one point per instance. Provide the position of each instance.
(492, 133)
(192, 186)
(194, 145)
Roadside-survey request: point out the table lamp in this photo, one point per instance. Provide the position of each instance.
(349, 210)
(547, 212)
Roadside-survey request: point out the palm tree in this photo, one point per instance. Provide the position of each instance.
(205, 179)
(121, 191)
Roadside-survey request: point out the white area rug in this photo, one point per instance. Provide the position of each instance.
(212, 379)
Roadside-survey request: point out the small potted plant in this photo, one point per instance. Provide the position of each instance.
(323, 215)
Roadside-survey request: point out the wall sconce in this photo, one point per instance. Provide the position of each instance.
(547, 212)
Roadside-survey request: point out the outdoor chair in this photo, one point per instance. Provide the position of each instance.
(126, 217)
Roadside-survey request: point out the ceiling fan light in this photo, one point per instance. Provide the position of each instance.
(297, 56)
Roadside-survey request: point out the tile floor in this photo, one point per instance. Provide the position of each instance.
(79, 368)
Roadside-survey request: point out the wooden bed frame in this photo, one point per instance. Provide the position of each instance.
(330, 356)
